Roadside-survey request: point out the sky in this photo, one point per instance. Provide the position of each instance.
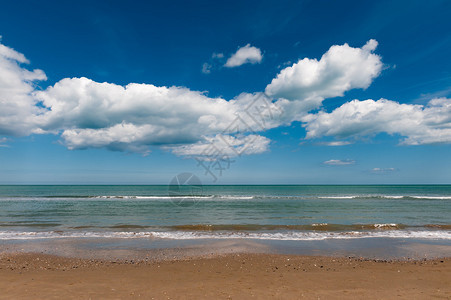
(235, 92)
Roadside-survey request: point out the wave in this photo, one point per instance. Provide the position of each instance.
(155, 197)
(173, 197)
(431, 197)
(235, 197)
(299, 236)
(325, 227)
(106, 197)
(225, 197)
(406, 197)
(306, 227)
(339, 197)
(240, 227)
(190, 235)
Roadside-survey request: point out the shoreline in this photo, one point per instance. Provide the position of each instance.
(135, 248)
(223, 276)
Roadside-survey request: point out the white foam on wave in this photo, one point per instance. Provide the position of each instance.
(432, 197)
(223, 197)
(113, 197)
(190, 235)
(338, 197)
(33, 235)
(426, 197)
(306, 236)
(236, 197)
(173, 197)
(163, 197)
(385, 225)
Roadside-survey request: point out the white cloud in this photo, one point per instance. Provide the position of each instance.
(418, 124)
(206, 68)
(13, 55)
(336, 143)
(97, 115)
(3, 140)
(215, 61)
(217, 55)
(382, 170)
(18, 107)
(338, 162)
(90, 114)
(83, 103)
(340, 69)
(244, 55)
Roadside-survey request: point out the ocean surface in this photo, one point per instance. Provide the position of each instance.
(282, 212)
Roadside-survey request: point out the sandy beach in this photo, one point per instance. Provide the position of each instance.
(229, 276)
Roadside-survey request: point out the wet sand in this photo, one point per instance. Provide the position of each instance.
(222, 276)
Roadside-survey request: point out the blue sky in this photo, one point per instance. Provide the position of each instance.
(135, 93)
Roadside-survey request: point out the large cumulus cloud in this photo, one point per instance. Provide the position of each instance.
(340, 69)
(92, 114)
(417, 124)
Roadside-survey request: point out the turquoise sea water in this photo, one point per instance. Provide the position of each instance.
(250, 212)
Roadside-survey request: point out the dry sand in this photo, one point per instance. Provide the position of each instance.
(231, 276)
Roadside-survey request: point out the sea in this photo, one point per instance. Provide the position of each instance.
(257, 212)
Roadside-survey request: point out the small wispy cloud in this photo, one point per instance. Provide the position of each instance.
(216, 61)
(3, 140)
(335, 143)
(217, 55)
(284, 65)
(206, 68)
(425, 97)
(339, 162)
(244, 55)
(383, 170)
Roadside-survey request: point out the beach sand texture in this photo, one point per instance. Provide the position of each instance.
(230, 276)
